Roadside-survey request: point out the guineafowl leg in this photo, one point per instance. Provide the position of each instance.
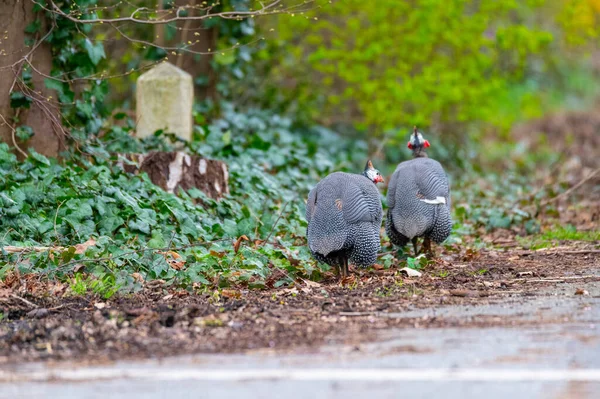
(414, 241)
(427, 247)
(345, 267)
(336, 267)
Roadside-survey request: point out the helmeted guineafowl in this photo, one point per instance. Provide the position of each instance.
(344, 217)
(418, 199)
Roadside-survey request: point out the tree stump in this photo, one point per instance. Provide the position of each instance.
(172, 170)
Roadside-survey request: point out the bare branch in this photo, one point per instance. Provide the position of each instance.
(268, 9)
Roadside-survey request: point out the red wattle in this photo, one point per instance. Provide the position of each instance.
(426, 145)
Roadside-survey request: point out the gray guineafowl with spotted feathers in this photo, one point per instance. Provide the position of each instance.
(418, 199)
(344, 216)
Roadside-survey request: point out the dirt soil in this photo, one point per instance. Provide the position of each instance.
(48, 324)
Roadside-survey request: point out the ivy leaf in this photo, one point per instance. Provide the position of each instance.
(157, 240)
(94, 51)
(33, 27)
(19, 100)
(140, 225)
(54, 84)
(24, 132)
(38, 157)
(109, 224)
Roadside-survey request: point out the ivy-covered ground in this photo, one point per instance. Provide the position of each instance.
(90, 253)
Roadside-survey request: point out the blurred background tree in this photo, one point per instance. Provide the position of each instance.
(458, 68)
(444, 65)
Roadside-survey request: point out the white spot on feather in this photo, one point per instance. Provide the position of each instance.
(436, 201)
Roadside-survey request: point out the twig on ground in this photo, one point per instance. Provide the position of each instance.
(25, 301)
(569, 191)
(554, 280)
(275, 223)
(16, 250)
(357, 314)
(56, 217)
(581, 252)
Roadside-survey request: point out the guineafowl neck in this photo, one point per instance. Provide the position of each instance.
(419, 153)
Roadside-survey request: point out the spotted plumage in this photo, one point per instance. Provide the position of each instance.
(344, 216)
(418, 199)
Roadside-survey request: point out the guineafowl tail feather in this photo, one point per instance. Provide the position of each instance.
(366, 243)
(395, 237)
(443, 225)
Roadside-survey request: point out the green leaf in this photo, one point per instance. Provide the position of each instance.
(19, 100)
(108, 225)
(24, 132)
(54, 84)
(157, 240)
(140, 225)
(39, 157)
(94, 51)
(225, 58)
(33, 27)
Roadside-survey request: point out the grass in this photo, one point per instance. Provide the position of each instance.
(551, 237)
(81, 285)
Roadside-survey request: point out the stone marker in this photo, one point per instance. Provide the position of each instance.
(165, 95)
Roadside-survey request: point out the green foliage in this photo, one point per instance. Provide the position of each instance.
(425, 61)
(271, 164)
(104, 287)
(492, 201)
(417, 263)
(554, 235)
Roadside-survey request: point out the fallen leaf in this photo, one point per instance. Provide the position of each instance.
(581, 291)
(78, 268)
(177, 265)
(167, 297)
(312, 284)
(81, 248)
(173, 259)
(217, 254)
(377, 266)
(411, 272)
(348, 280)
(470, 254)
(521, 274)
(238, 242)
(100, 305)
(231, 294)
(137, 277)
(462, 293)
(290, 291)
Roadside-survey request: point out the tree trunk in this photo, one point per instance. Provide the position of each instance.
(43, 116)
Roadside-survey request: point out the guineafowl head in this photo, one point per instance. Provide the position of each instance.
(371, 173)
(418, 144)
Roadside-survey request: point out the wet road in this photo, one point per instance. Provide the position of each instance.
(557, 355)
